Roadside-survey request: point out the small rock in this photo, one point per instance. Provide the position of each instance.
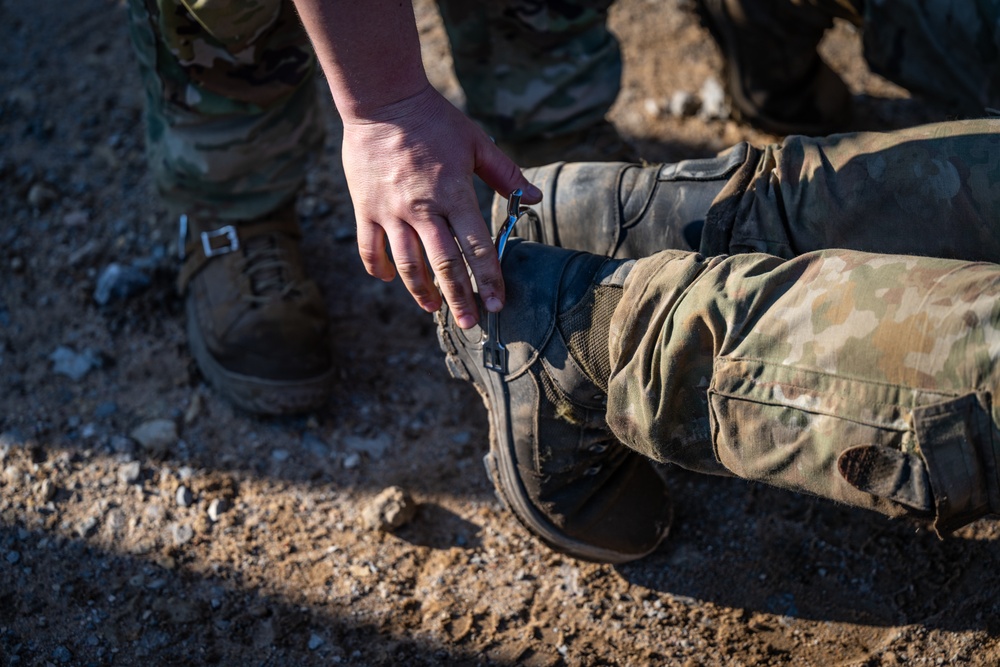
(193, 409)
(279, 455)
(315, 641)
(375, 447)
(315, 445)
(184, 496)
(46, 490)
(76, 219)
(683, 104)
(217, 508)
(122, 445)
(182, 533)
(86, 527)
(74, 365)
(713, 100)
(391, 509)
(344, 234)
(84, 252)
(13, 557)
(61, 654)
(119, 282)
(129, 472)
(16, 264)
(156, 436)
(652, 107)
(40, 196)
(105, 410)
(352, 461)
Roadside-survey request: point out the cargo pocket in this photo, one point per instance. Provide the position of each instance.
(955, 439)
(837, 437)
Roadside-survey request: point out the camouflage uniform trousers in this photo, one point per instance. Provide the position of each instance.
(864, 378)
(232, 118)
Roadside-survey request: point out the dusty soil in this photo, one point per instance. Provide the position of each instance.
(103, 562)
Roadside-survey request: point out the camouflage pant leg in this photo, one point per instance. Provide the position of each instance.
(858, 377)
(532, 69)
(231, 112)
(946, 50)
(930, 190)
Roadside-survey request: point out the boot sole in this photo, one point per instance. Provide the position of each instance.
(501, 464)
(253, 394)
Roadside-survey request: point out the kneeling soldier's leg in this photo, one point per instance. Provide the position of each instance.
(863, 378)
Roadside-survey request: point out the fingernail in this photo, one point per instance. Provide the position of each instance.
(466, 321)
(533, 192)
(493, 304)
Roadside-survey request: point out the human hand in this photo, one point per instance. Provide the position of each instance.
(409, 169)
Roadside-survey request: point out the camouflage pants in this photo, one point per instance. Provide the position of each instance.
(865, 378)
(232, 118)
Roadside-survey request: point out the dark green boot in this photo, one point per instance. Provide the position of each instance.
(774, 75)
(625, 210)
(552, 459)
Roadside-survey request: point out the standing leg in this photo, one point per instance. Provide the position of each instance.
(538, 75)
(231, 124)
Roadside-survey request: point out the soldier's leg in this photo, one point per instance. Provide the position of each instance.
(948, 50)
(773, 73)
(863, 378)
(231, 123)
(929, 190)
(231, 113)
(538, 75)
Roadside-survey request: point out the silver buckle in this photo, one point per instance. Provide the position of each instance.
(228, 232)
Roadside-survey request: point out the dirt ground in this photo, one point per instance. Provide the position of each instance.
(262, 558)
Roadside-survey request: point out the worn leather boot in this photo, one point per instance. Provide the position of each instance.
(774, 75)
(625, 210)
(257, 326)
(552, 459)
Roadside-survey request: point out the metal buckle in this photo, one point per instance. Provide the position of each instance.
(229, 232)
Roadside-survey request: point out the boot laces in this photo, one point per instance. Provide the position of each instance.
(267, 267)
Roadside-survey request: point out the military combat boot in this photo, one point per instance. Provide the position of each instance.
(626, 210)
(775, 78)
(552, 459)
(257, 326)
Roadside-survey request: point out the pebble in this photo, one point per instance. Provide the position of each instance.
(315, 445)
(13, 557)
(47, 490)
(105, 410)
(217, 508)
(156, 436)
(193, 409)
(389, 510)
(279, 455)
(61, 654)
(182, 533)
(129, 473)
(184, 496)
(119, 282)
(40, 196)
(76, 219)
(315, 641)
(683, 104)
(352, 461)
(713, 100)
(74, 365)
(375, 447)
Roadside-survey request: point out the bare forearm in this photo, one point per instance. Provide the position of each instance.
(369, 51)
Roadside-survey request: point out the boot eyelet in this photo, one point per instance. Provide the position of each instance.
(599, 448)
(591, 471)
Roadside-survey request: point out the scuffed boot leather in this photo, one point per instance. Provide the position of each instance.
(552, 459)
(257, 326)
(624, 210)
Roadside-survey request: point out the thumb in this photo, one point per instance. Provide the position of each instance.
(501, 173)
